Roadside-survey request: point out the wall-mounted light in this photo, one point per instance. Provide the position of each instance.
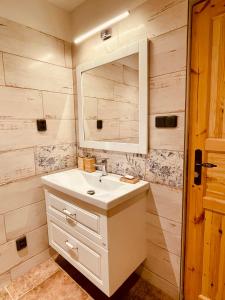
(101, 27)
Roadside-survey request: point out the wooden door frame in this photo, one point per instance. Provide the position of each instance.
(191, 3)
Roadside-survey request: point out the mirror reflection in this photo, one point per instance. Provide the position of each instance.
(111, 101)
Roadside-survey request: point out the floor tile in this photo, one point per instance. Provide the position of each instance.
(134, 288)
(34, 277)
(4, 295)
(58, 287)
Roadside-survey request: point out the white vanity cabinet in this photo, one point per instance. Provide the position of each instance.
(106, 246)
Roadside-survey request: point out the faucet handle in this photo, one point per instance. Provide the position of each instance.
(103, 160)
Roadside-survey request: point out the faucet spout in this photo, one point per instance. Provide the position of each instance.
(103, 166)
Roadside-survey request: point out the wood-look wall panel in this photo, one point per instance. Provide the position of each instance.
(19, 134)
(58, 106)
(27, 265)
(2, 80)
(167, 138)
(167, 93)
(165, 202)
(164, 237)
(39, 85)
(24, 41)
(5, 279)
(27, 102)
(163, 263)
(68, 54)
(168, 52)
(16, 165)
(25, 219)
(37, 241)
(20, 193)
(168, 19)
(2, 230)
(161, 283)
(27, 73)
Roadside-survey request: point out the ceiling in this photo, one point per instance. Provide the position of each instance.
(68, 5)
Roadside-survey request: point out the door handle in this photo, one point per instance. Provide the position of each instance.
(208, 165)
(199, 165)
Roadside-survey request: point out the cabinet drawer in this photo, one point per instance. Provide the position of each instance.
(80, 254)
(73, 213)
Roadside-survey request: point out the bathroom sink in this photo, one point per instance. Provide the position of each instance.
(105, 192)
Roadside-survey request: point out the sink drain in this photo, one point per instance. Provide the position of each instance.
(91, 192)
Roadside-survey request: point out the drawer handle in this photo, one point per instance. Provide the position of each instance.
(70, 246)
(69, 214)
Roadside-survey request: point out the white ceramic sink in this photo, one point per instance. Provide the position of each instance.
(108, 193)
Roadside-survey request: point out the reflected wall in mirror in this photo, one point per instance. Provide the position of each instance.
(111, 101)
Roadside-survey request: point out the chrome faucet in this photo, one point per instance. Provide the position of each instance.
(103, 165)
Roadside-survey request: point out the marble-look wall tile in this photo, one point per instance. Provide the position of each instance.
(16, 165)
(168, 52)
(163, 263)
(24, 41)
(58, 106)
(165, 201)
(28, 103)
(2, 230)
(25, 219)
(55, 157)
(2, 80)
(28, 73)
(20, 194)
(168, 19)
(167, 93)
(37, 241)
(167, 138)
(165, 167)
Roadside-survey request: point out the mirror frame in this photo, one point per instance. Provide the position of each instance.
(140, 47)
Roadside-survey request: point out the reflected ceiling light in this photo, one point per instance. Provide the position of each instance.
(99, 28)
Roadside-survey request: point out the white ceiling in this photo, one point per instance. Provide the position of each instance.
(68, 5)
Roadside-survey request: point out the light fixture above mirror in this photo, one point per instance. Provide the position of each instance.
(101, 27)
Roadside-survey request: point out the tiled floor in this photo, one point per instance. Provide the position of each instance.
(60, 281)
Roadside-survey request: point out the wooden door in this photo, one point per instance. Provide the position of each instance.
(205, 231)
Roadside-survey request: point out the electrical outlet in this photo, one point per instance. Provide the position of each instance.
(99, 124)
(21, 243)
(41, 125)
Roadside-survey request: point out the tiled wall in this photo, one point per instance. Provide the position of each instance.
(111, 95)
(35, 82)
(165, 24)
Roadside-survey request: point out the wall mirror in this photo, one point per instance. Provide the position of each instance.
(113, 100)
